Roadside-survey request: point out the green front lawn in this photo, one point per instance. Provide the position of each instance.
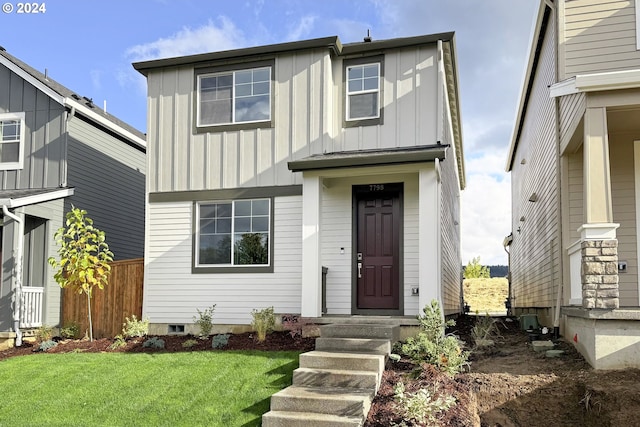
(165, 389)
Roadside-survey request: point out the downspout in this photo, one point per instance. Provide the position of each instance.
(556, 319)
(17, 265)
(68, 115)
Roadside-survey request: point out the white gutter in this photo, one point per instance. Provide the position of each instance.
(17, 265)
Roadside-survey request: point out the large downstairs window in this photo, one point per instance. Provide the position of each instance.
(11, 140)
(234, 233)
(234, 97)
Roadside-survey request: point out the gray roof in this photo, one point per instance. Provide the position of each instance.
(332, 43)
(377, 157)
(68, 93)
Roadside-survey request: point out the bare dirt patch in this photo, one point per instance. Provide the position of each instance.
(509, 384)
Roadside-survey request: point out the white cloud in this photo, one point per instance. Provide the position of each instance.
(188, 41)
(486, 209)
(302, 30)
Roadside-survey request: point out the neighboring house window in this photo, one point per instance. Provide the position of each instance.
(234, 234)
(11, 140)
(363, 92)
(234, 97)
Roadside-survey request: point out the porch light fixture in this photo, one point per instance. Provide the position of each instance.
(533, 197)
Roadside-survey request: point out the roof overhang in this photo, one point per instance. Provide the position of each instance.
(18, 198)
(540, 25)
(347, 159)
(68, 102)
(595, 82)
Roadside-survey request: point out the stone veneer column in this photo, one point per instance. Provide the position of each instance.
(600, 274)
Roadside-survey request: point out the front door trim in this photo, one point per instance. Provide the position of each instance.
(397, 188)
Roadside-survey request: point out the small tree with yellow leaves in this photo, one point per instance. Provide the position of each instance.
(84, 257)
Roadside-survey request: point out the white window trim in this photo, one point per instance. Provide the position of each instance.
(20, 163)
(233, 96)
(362, 92)
(637, 5)
(233, 212)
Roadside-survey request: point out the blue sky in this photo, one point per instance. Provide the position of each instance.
(89, 45)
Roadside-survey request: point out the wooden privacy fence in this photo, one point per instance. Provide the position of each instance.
(121, 298)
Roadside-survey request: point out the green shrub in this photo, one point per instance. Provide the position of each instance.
(484, 328)
(118, 342)
(44, 333)
(220, 341)
(70, 331)
(432, 346)
(422, 406)
(263, 322)
(46, 345)
(134, 328)
(204, 321)
(189, 343)
(153, 342)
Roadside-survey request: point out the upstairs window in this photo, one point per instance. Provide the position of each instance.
(234, 97)
(11, 141)
(363, 91)
(234, 233)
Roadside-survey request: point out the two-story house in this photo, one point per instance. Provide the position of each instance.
(57, 149)
(575, 167)
(311, 176)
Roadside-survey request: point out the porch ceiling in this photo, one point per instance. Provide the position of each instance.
(345, 159)
(623, 119)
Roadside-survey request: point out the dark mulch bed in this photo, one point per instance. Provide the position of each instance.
(275, 341)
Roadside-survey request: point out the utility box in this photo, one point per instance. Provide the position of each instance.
(529, 321)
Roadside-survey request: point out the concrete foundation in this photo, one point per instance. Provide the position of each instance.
(607, 339)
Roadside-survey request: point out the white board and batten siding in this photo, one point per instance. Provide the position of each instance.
(535, 271)
(172, 293)
(599, 36)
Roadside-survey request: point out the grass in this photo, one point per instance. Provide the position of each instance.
(486, 295)
(119, 389)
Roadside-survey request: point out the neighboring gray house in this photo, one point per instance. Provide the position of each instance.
(268, 163)
(58, 149)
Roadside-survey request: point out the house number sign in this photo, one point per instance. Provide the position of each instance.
(376, 187)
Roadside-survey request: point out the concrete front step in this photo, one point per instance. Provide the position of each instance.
(354, 345)
(362, 330)
(306, 419)
(336, 401)
(343, 361)
(332, 378)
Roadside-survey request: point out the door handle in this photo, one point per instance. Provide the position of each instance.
(359, 270)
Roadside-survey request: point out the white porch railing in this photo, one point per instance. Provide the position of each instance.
(31, 309)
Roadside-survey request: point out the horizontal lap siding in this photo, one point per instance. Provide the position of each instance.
(450, 235)
(534, 251)
(336, 233)
(624, 212)
(600, 36)
(572, 108)
(576, 195)
(172, 293)
(109, 180)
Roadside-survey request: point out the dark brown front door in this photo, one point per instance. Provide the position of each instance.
(377, 257)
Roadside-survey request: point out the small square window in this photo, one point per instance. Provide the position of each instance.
(363, 91)
(12, 129)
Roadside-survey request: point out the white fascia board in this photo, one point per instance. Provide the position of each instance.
(566, 87)
(32, 80)
(611, 80)
(37, 198)
(105, 122)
